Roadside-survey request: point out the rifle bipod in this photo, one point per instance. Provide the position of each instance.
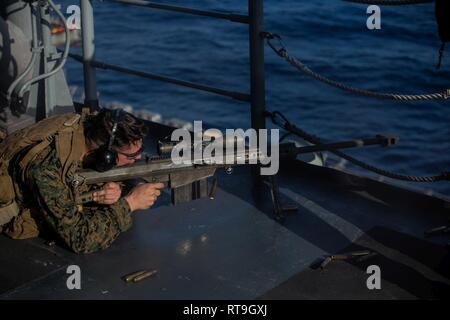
(278, 209)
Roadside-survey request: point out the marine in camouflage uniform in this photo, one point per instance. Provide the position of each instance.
(48, 202)
(87, 229)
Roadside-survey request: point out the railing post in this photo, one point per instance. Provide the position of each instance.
(50, 94)
(257, 83)
(258, 93)
(87, 29)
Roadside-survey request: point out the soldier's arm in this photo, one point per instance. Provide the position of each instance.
(85, 231)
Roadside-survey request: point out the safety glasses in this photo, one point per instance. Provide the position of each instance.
(133, 155)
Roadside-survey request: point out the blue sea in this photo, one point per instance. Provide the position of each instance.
(330, 36)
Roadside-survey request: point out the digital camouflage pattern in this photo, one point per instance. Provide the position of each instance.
(84, 229)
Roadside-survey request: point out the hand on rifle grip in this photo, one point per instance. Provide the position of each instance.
(144, 195)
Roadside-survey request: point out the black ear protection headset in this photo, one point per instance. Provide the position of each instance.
(105, 157)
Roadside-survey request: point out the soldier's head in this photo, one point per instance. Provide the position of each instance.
(125, 144)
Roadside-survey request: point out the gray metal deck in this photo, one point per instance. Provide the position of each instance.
(232, 248)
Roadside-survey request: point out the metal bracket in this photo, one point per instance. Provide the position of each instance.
(278, 209)
(357, 256)
(445, 229)
(54, 57)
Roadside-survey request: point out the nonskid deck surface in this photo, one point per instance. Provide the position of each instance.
(232, 248)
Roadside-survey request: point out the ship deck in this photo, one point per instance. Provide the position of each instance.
(233, 248)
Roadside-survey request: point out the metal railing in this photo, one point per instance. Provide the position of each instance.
(254, 20)
(212, 14)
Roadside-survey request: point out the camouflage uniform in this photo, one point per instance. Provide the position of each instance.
(85, 229)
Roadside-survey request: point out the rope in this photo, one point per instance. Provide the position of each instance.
(282, 52)
(390, 2)
(285, 124)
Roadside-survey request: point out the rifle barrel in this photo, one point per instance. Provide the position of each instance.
(378, 140)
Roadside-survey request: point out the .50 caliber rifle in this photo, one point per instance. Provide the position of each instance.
(179, 175)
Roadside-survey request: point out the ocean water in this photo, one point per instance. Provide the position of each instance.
(330, 36)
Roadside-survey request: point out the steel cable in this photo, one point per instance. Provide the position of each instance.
(285, 124)
(282, 52)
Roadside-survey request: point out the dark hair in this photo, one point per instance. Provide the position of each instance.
(98, 127)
